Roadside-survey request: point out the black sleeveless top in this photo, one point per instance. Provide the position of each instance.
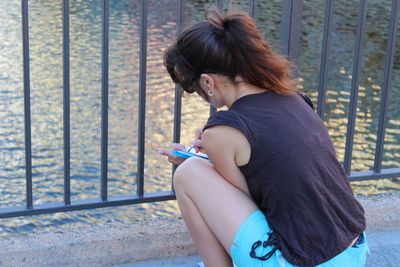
(294, 176)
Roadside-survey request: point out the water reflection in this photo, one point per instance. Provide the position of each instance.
(85, 30)
(345, 21)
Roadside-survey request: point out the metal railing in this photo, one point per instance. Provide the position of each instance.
(290, 45)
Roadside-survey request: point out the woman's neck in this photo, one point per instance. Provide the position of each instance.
(240, 89)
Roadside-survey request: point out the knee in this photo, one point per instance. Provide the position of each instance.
(186, 172)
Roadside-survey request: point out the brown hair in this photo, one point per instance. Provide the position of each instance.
(229, 45)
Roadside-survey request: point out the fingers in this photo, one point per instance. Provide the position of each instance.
(176, 146)
(198, 133)
(197, 145)
(197, 141)
(172, 158)
(167, 152)
(164, 152)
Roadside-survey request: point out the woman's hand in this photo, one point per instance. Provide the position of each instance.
(171, 158)
(198, 146)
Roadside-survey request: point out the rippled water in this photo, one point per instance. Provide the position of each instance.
(85, 30)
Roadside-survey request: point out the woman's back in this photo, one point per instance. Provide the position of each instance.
(294, 177)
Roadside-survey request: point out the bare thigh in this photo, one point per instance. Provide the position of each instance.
(223, 206)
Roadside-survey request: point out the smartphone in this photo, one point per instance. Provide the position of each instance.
(185, 154)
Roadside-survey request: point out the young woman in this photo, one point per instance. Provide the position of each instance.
(274, 193)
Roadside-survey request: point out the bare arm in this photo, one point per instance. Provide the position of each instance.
(227, 148)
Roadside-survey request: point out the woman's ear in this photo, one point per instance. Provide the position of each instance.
(208, 81)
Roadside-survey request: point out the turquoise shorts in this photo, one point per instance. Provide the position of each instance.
(256, 227)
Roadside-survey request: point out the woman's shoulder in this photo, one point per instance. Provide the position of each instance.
(224, 114)
(230, 124)
(225, 135)
(225, 117)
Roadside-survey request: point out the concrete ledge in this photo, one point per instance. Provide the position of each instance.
(113, 244)
(382, 211)
(102, 245)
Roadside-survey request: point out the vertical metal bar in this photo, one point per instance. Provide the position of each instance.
(324, 59)
(104, 102)
(66, 74)
(354, 86)
(390, 52)
(178, 89)
(253, 8)
(27, 103)
(142, 96)
(291, 28)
